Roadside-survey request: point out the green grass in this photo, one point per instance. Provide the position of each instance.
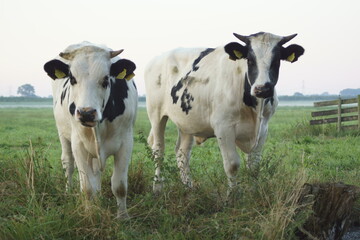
(34, 204)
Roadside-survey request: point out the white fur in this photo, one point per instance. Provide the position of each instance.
(217, 110)
(89, 65)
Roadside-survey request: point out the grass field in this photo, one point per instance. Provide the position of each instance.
(34, 205)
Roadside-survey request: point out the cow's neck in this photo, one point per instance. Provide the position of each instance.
(97, 142)
(258, 105)
(91, 139)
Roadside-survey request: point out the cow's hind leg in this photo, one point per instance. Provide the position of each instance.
(183, 152)
(67, 160)
(119, 179)
(158, 145)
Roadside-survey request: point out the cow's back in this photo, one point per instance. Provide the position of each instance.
(166, 70)
(194, 85)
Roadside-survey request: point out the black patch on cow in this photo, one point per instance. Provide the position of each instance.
(201, 56)
(186, 99)
(66, 82)
(53, 65)
(270, 99)
(292, 49)
(230, 49)
(120, 65)
(247, 98)
(63, 94)
(253, 70)
(175, 89)
(115, 105)
(72, 108)
(72, 79)
(275, 65)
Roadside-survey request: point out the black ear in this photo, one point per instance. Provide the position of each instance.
(56, 69)
(292, 53)
(123, 69)
(236, 51)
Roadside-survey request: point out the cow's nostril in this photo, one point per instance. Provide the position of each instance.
(86, 114)
(86, 111)
(91, 111)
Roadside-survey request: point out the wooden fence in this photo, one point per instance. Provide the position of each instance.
(343, 113)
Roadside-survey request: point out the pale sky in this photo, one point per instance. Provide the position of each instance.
(33, 32)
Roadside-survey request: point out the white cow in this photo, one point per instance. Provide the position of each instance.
(95, 104)
(227, 92)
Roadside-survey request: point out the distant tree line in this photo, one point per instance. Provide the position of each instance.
(27, 93)
(307, 97)
(25, 99)
(346, 93)
(350, 92)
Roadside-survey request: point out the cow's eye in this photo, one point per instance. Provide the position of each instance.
(72, 80)
(105, 82)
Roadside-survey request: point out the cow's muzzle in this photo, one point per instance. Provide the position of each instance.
(264, 91)
(87, 116)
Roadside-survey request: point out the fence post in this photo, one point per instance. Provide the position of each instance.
(358, 102)
(339, 115)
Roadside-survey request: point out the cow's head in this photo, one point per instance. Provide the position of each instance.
(90, 73)
(263, 52)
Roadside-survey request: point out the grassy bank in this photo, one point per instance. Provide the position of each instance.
(34, 204)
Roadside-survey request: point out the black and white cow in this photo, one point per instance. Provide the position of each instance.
(226, 92)
(95, 104)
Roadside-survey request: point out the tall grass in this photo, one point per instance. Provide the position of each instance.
(34, 204)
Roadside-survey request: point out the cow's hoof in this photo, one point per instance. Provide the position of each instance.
(158, 188)
(122, 215)
(233, 195)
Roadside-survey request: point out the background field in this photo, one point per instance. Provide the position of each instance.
(33, 203)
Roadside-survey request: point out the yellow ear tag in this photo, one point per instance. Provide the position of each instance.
(121, 75)
(59, 74)
(238, 54)
(130, 76)
(291, 57)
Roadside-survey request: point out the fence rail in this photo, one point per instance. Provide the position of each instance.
(352, 113)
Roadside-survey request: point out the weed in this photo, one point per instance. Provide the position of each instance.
(34, 204)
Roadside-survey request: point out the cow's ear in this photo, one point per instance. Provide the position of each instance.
(236, 51)
(292, 53)
(123, 69)
(56, 69)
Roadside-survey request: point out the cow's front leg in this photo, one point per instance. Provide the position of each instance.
(90, 176)
(231, 160)
(119, 179)
(183, 152)
(67, 160)
(254, 157)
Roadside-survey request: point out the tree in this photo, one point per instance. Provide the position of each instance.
(297, 94)
(350, 92)
(26, 90)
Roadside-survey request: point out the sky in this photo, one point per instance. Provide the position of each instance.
(33, 32)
